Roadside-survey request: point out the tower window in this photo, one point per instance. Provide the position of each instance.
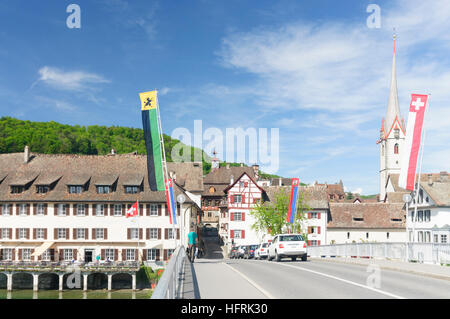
(396, 148)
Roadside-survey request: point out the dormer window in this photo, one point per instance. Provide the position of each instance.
(103, 189)
(76, 189)
(358, 219)
(132, 189)
(42, 189)
(17, 189)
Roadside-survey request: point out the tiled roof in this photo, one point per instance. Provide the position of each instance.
(374, 215)
(315, 196)
(284, 181)
(74, 169)
(222, 175)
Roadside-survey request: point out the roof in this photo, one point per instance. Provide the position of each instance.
(284, 181)
(222, 175)
(316, 197)
(237, 179)
(74, 169)
(439, 191)
(374, 215)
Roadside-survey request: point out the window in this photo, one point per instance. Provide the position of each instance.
(358, 219)
(237, 198)
(314, 215)
(23, 209)
(153, 210)
(420, 216)
(46, 255)
(427, 237)
(103, 189)
(40, 233)
(7, 253)
(427, 216)
(17, 189)
(109, 254)
(99, 233)
(26, 254)
(68, 254)
(237, 216)
(237, 233)
(291, 238)
(131, 189)
(387, 235)
(134, 233)
(75, 189)
(348, 235)
(153, 233)
(151, 254)
(420, 237)
(81, 233)
(42, 189)
(22, 233)
(40, 209)
(396, 148)
(436, 238)
(100, 210)
(412, 216)
(6, 209)
(170, 233)
(117, 210)
(62, 209)
(443, 239)
(61, 233)
(80, 210)
(5, 233)
(130, 255)
(367, 235)
(313, 243)
(241, 184)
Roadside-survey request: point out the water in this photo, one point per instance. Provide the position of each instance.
(76, 294)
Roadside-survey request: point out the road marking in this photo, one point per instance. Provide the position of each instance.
(263, 291)
(344, 280)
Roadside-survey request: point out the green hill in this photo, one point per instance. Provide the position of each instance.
(55, 138)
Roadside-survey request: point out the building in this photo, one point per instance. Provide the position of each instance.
(72, 207)
(366, 222)
(316, 216)
(392, 135)
(242, 196)
(214, 199)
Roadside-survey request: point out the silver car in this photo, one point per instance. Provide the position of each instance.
(287, 245)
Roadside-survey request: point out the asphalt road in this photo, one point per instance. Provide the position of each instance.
(220, 278)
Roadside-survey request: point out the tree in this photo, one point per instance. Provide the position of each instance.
(270, 217)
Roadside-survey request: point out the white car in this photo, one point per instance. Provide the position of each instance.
(262, 250)
(287, 245)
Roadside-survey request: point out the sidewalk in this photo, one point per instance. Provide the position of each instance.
(430, 270)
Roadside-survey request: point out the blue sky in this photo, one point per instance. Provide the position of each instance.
(313, 69)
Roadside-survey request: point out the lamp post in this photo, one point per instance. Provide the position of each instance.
(181, 199)
(407, 199)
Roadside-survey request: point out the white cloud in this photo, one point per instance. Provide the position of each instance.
(68, 80)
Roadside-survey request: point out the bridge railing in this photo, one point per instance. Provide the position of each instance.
(414, 252)
(63, 265)
(169, 286)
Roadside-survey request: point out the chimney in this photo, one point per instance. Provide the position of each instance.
(279, 181)
(444, 176)
(231, 179)
(430, 179)
(228, 165)
(26, 154)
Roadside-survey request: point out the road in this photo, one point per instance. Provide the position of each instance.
(220, 278)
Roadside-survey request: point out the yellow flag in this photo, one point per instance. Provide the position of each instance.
(148, 100)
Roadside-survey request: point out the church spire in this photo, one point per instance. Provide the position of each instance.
(393, 109)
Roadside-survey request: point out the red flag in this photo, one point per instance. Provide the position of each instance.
(413, 139)
(133, 211)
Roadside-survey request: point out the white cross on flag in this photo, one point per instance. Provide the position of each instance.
(412, 143)
(133, 211)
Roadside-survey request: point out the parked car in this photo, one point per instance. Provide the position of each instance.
(250, 251)
(233, 252)
(261, 251)
(287, 245)
(241, 251)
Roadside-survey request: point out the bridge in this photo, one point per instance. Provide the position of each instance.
(216, 277)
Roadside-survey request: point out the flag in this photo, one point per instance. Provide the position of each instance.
(152, 140)
(133, 211)
(171, 201)
(412, 143)
(293, 201)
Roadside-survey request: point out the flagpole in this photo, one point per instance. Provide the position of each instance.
(163, 159)
(417, 188)
(139, 230)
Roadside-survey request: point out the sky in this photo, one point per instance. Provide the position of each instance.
(313, 69)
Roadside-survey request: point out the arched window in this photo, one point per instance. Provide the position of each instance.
(396, 148)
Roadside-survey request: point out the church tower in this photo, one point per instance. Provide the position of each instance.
(392, 135)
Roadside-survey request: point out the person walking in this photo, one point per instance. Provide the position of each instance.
(192, 244)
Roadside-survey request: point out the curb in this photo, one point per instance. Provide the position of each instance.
(426, 274)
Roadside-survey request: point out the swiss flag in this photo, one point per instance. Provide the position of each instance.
(133, 211)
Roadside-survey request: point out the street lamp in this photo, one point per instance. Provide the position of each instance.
(181, 199)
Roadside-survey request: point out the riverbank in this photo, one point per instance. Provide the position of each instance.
(76, 294)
